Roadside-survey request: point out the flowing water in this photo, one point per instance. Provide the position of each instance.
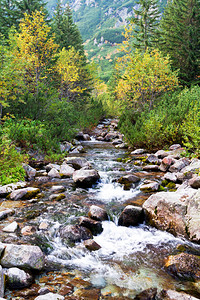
(131, 259)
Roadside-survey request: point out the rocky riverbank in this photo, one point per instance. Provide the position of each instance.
(172, 205)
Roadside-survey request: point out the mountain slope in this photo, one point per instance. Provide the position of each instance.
(101, 23)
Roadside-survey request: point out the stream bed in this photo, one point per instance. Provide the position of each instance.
(130, 260)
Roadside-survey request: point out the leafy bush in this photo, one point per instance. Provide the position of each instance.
(174, 119)
(11, 169)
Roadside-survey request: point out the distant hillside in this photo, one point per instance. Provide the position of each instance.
(101, 23)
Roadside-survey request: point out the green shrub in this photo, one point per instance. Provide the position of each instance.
(11, 169)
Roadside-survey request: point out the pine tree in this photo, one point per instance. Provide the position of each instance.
(146, 19)
(181, 38)
(12, 11)
(66, 32)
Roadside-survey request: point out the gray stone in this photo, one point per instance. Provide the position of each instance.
(163, 153)
(9, 188)
(65, 147)
(117, 142)
(174, 295)
(149, 186)
(94, 226)
(179, 165)
(75, 233)
(177, 212)
(152, 159)
(166, 163)
(66, 170)
(78, 162)
(22, 256)
(5, 213)
(170, 177)
(11, 227)
(138, 152)
(50, 296)
(130, 178)
(56, 197)
(54, 173)
(2, 282)
(131, 216)
(97, 213)
(42, 179)
(85, 178)
(174, 147)
(30, 172)
(151, 168)
(194, 182)
(22, 194)
(18, 279)
(111, 136)
(193, 167)
(122, 146)
(57, 189)
(91, 245)
(52, 166)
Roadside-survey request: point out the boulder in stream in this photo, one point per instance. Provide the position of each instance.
(18, 279)
(174, 295)
(177, 212)
(194, 182)
(78, 162)
(97, 213)
(12, 227)
(22, 256)
(149, 294)
(66, 170)
(131, 216)
(50, 296)
(94, 226)
(9, 188)
(30, 171)
(184, 266)
(6, 212)
(23, 194)
(130, 178)
(138, 152)
(149, 186)
(91, 245)
(85, 178)
(75, 233)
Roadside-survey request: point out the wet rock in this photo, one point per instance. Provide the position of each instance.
(78, 149)
(5, 213)
(177, 212)
(49, 167)
(129, 179)
(111, 136)
(18, 279)
(2, 247)
(174, 147)
(85, 178)
(22, 256)
(149, 186)
(50, 296)
(28, 230)
(57, 189)
(42, 179)
(56, 197)
(94, 226)
(2, 283)
(91, 245)
(179, 165)
(162, 153)
(54, 173)
(97, 213)
(23, 194)
(170, 177)
(65, 147)
(82, 137)
(11, 227)
(66, 170)
(9, 188)
(193, 167)
(122, 146)
(184, 266)
(194, 182)
(166, 163)
(75, 233)
(78, 162)
(117, 142)
(149, 294)
(43, 226)
(152, 159)
(151, 168)
(131, 216)
(43, 291)
(138, 152)
(173, 295)
(30, 172)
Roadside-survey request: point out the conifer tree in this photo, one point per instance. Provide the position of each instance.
(66, 32)
(181, 38)
(146, 19)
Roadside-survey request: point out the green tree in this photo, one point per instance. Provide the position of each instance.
(181, 38)
(146, 20)
(66, 32)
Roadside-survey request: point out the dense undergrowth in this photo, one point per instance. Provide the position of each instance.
(175, 118)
